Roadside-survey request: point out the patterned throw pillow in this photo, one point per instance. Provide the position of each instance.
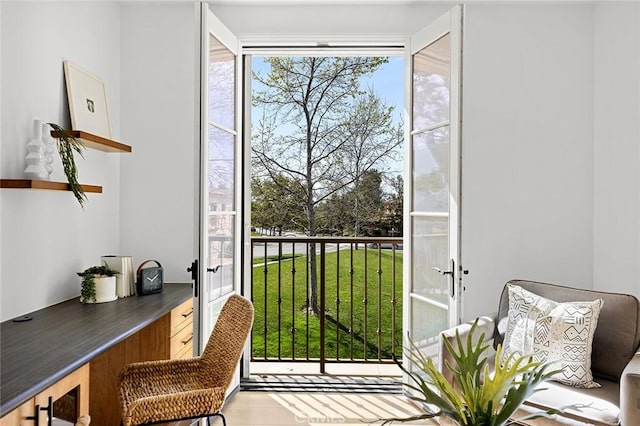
(553, 331)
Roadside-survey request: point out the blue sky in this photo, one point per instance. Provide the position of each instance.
(388, 80)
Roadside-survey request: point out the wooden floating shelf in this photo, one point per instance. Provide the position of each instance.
(96, 142)
(45, 184)
(90, 141)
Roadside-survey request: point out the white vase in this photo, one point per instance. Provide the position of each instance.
(105, 289)
(35, 154)
(49, 149)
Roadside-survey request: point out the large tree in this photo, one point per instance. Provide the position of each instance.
(316, 118)
(275, 204)
(366, 200)
(334, 215)
(394, 207)
(366, 132)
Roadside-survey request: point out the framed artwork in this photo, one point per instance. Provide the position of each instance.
(87, 101)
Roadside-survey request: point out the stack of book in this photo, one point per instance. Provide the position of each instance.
(125, 281)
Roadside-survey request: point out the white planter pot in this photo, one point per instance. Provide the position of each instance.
(105, 290)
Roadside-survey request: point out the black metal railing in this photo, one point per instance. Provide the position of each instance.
(350, 310)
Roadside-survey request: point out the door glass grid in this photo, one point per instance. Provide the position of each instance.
(221, 178)
(430, 192)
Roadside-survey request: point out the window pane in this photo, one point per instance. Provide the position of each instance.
(212, 313)
(221, 170)
(431, 171)
(427, 321)
(431, 74)
(222, 68)
(430, 246)
(221, 250)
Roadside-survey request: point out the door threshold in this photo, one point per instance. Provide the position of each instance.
(332, 369)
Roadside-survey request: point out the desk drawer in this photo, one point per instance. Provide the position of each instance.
(186, 351)
(182, 339)
(181, 317)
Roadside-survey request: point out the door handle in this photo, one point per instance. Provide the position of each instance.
(451, 272)
(194, 276)
(214, 270)
(441, 272)
(193, 269)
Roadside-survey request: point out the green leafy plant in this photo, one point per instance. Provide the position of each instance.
(67, 144)
(478, 397)
(88, 285)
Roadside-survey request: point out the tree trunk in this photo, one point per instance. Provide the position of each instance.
(314, 307)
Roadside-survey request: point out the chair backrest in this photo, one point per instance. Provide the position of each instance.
(224, 348)
(617, 334)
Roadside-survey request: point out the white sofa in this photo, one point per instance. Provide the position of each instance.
(615, 360)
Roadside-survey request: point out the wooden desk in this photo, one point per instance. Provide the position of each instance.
(60, 339)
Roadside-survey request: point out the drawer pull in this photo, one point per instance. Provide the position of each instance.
(184, 342)
(49, 410)
(188, 314)
(35, 417)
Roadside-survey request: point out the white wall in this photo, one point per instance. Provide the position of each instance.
(616, 130)
(46, 236)
(159, 107)
(527, 148)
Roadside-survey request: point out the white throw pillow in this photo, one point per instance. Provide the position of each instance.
(553, 331)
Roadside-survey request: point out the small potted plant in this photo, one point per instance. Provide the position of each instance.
(98, 284)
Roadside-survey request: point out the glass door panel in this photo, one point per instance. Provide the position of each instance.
(431, 77)
(430, 237)
(221, 167)
(433, 293)
(430, 174)
(426, 323)
(222, 84)
(219, 247)
(220, 183)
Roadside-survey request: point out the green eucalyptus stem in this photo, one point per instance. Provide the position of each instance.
(67, 144)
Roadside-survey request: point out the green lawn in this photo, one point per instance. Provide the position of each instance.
(348, 314)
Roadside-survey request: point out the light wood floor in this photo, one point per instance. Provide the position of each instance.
(345, 409)
(315, 409)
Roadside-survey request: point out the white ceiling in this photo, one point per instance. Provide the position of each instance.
(314, 2)
(337, 2)
(384, 2)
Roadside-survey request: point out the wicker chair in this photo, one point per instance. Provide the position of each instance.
(170, 390)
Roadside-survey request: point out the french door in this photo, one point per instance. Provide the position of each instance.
(432, 217)
(432, 297)
(220, 182)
